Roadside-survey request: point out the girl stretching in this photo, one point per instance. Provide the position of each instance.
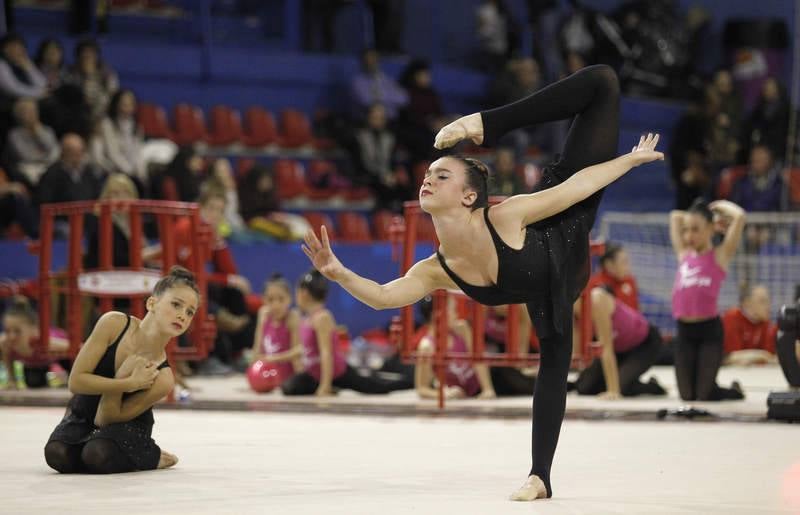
(530, 249)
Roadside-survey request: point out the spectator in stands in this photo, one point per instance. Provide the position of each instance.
(117, 186)
(423, 116)
(375, 154)
(722, 133)
(325, 364)
(228, 291)
(729, 99)
(32, 146)
(629, 346)
(94, 77)
(71, 178)
(50, 61)
(222, 172)
(762, 188)
(688, 155)
(17, 215)
(183, 176)
(371, 86)
(506, 180)
(615, 275)
(463, 380)
(257, 194)
(19, 77)
(118, 144)
(749, 333)
(18, 342)
(768, 124)
(496, 35)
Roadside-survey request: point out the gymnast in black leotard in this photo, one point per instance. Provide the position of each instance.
(540, 240)
(119, 373)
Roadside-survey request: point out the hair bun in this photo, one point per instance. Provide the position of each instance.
(277, 276)
(179, 272)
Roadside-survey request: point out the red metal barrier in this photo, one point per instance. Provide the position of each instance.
(107, 283)
(403, 326)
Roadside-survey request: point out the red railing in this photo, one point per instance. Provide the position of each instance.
(201, 336)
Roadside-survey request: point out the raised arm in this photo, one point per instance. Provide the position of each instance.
(676, 220)
(733, 233)
(538, 206)
(424, 277)
(82, 380)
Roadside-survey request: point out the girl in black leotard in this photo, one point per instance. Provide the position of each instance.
(540, 240)
(120, 373)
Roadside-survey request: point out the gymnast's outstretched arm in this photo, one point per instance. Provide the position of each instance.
(424, 277)
(533, 207)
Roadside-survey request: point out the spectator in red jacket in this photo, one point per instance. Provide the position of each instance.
(749, 333)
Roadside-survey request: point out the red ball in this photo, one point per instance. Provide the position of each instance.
(264, 377)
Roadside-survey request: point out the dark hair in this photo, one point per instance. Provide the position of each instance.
(411, 70)
(278, 280)
(426, 308)
(21, 307)
(700, 207)
(477, 179)
(612, 249)
(39, 60)
(315, 284)
(113, 104)
(177, 276)
(85, 44)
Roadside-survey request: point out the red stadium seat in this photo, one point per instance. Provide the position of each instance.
(189, 124)
(727, 178)
(295, 129)
(289, 179)
(153, 120)
(224, 127)
(259, 127)
(243, 167)
(353, 227)
(169, 190)
(793, 182)
(382, 222)
(317, 220)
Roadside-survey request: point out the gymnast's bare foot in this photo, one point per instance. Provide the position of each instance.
(466, 127)
(532, 489)
(167, 460)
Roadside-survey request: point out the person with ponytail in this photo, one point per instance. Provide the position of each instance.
(18, 342)
(702, 268)
(120, 372)
(530, 249)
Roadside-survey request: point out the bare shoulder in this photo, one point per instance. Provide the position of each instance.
(431, 270)
(293, 318)
(322, 318)
(512, 210)
(113, 322)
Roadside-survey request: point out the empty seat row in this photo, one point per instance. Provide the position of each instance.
(258, 128)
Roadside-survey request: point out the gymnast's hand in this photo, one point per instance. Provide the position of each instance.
(645, 151)
(466, 127)
(321, 255)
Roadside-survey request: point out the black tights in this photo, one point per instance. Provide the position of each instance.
(305, 384)
(632, 364)
(590, 97)
(698, 356)
(97, 456)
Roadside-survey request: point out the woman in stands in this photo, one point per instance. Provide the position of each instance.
(531, 249)
(702, 268)
(120, 373)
